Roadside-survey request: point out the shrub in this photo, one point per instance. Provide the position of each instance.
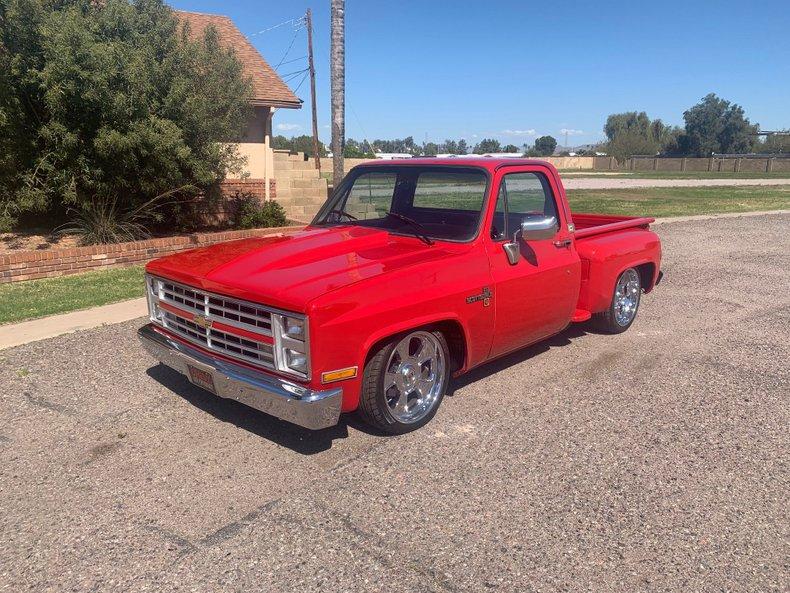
(248, 212)
(111, 102)
(106, 221)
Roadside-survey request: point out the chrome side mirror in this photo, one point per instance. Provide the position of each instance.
(512, 252)
(532, 229)
(537, 229)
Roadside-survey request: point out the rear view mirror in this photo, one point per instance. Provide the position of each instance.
(538, 228)
(533, 228)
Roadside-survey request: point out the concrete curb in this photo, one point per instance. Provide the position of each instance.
(670, 219)
(16, 334)
(48, 327)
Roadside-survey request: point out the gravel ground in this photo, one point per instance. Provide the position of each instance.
(628, 183)
(651, 461)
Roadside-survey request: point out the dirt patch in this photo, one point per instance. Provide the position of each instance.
(35, 240)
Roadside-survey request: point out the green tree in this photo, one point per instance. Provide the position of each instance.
(112, 102)
(775, 144)
(634, 132)
(431, 149)
(545, 145)
(454, 147)
(357, 150)
(280, 142)
(716, 125)
(405, 145)
(487, 145)
(510, 148)
(449, 147)
(303, 143)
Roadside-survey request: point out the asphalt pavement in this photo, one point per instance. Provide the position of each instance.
(656, 460)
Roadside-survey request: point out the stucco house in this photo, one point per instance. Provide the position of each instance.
(269, 93)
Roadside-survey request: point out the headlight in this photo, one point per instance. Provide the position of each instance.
(152, 294)
(295, 360)
(291, 347)
(293, 328)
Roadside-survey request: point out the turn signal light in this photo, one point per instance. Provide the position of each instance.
(339, 375)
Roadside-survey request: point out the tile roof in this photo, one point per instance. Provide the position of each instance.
(267, 87)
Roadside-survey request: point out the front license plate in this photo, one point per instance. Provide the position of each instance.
(202, 379)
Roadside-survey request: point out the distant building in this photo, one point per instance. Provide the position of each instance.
(388, 156)
(498, 155)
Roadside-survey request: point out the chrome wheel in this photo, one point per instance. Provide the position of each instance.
(414, 377)
(626, 297)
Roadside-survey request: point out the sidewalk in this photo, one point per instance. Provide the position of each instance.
(15, 334)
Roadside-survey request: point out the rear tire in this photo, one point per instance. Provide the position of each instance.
(405, 381)
(624, 306)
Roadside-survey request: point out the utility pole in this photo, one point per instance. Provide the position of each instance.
(337, 65)
(309, 19)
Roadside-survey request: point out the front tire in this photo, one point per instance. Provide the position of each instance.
(405, 381)
(624, 306)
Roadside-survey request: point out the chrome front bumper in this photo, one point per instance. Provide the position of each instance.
(278, 397)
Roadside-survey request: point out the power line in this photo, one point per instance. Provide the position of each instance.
(294, 72)
(301, 82)
(293, 39)
(295, 21)
(294, 60)
(294, 75)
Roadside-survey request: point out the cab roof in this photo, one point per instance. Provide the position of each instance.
(488, 163)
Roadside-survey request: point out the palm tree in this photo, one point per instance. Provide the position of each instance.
(337, 65)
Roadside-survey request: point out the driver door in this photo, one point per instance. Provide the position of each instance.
(536, 297)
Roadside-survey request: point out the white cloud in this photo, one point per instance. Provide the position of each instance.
(530, 132)
(288, 127)
(571, 132)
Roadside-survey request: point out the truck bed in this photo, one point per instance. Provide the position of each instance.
(590, 225)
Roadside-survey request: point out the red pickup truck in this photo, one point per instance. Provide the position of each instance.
(413, 272)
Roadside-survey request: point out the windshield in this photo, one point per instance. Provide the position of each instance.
(438, 202)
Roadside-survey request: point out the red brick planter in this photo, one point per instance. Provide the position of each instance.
(31, 265)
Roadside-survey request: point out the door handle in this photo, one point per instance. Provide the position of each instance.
(563, 243)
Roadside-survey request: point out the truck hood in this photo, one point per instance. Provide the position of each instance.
(289, 271)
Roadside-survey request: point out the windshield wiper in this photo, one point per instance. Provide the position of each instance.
(343, 213)
(422, 232)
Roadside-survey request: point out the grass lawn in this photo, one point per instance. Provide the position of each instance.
(578, 174)
(38, 298)
(679, 201)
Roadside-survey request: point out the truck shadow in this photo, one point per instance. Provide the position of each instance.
(285, 434)
(563, 338)
(310, 442)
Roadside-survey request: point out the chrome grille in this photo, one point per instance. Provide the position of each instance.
(223, 342)
(215, 308)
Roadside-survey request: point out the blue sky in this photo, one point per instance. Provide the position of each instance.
(517, 70)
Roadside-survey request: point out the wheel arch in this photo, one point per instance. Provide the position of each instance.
(647, 275)
(451, 327)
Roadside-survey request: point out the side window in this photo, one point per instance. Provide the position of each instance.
(521, 195)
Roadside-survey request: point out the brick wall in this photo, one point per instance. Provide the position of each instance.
(256, 187)
(31, 265)
(230, 188)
